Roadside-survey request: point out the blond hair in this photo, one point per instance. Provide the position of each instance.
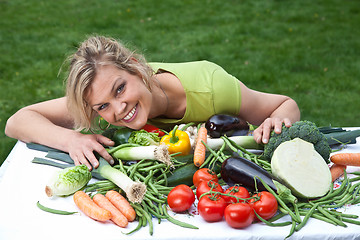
(94, 52)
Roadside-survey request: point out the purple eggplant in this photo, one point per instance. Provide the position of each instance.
(223, 124)
(239, 170)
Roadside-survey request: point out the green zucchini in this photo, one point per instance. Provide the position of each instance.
(184, 174)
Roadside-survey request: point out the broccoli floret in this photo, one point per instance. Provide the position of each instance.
(323, 148)
(305, 130)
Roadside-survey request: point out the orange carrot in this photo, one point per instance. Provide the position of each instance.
(122, 204)
(89, 207)
(337, 171)
(200, 149)
(348, 159)
(116, 216)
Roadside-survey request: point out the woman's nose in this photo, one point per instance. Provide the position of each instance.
(119, 109)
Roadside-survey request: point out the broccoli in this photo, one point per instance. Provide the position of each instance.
(305, 130)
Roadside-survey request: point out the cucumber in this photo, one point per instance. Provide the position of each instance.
(184, 174)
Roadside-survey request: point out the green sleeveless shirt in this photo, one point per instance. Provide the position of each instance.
(209, 90)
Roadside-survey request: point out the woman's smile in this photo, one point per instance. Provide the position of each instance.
(131, 115)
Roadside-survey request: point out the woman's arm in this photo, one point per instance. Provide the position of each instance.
(49, 123)
(268, 111)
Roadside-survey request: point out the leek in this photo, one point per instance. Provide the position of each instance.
(134, 191)
(247, 142)
(159, 153)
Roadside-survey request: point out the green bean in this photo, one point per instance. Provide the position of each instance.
(228, 143)
(51, 210)
(155, 166)
(333, 211)
(133, 168)
(354, 179)
(137, 228)
(351, 221)
(144, 221)
(296, 210)
(354, 195)
(156, 214)
(319, 217)
(334, 192)
(292, 229)
(281, 202)
(238, 146)
(151, 197)
(339, 204)
(331, 217)
(177, 222)
(121, 167)
(139, 176)
(272, 224)
(147, 217)
(151, 173)
(353, 187)
(277, 217)
(153, 188)
(306, 218)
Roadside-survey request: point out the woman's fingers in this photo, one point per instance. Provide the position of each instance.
(263, 132)
(84, 148)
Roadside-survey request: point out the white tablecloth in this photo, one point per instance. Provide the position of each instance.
(22, 184)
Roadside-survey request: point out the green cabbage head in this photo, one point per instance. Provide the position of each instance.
(68, 180)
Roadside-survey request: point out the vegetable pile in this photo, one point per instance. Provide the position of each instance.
(210, 167)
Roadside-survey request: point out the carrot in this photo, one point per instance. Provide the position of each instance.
(337, 171)
(122, 204)
(348, 159)
(89, 207)
(116, 216)
(199, 152)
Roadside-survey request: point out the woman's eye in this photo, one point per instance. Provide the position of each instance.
(102, 107)
(120, 88)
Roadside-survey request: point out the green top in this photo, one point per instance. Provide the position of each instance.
(209, 90)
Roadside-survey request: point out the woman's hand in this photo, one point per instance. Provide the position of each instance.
(262, 133)
(81, 149)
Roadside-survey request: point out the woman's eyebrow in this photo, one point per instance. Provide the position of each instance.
(113, 88)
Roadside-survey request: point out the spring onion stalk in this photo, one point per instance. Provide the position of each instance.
(159, 153)
(247, 142)
(134, 191)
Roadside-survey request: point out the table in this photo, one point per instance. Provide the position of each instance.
(22, 184)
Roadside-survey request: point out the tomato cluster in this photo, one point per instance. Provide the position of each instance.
(235, 204)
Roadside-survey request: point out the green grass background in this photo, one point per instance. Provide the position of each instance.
(308, 50)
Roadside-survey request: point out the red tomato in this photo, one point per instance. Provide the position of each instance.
(239, 215)
(236, 191)
(266, 206)
(206, 186)
(211, 208)
(180, 198)
(204, 174)
(151, 128)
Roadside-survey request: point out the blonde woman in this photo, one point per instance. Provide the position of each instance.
(106, 79)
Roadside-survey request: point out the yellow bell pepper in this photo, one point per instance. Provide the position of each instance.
(178, 142)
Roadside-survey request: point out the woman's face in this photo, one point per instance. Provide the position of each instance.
(119, 97)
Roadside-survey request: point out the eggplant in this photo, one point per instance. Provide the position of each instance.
(239, 170)
(223, 124)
